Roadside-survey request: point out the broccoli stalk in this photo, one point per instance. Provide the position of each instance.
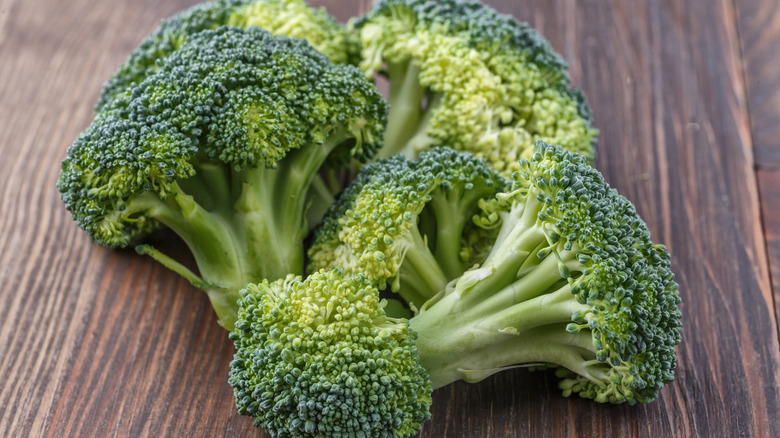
(239, 239)
(462, 75)
(408, 117)
(221, 144)
(572, 281)
(419, 271)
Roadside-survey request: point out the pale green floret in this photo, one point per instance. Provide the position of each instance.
(291, 18)
(319, 358)
(465, 76)
(221, 144)
(404, 222)
(572, 281)
(297, 19)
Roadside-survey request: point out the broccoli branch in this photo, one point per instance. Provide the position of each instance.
(420, 272)
(273, 206)
(405, 100)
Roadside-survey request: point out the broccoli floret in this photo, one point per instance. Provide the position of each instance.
(292, 18)
(573, 281)
(319, 357)
(220, 144)
(465, 76)
(404, 222)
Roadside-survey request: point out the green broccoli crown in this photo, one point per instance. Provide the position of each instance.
(476, 80)
(292, 18)
(573, 280)
(405, 212)
(622, 278)
(481, 27)
(318, 357)
(239, 97)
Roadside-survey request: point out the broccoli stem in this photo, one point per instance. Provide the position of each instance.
(421, 140)
(420, 277)
(209, 237)
(512, 311)
(548, 344)
(223, 300)
(212, 240)
(449, 227)
(536, 282)
(333, 180)
(217, 179)
(452, 210)
(405, 100)
(174, 266)
(210, 186)
(273, 205)
(320, 198)
(262, 241)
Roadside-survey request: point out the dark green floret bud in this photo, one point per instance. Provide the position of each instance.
(319, 357)
(291, 18)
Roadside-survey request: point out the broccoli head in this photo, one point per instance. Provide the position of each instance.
(572, 281)
(220, 144)
(291, 18)
(405, 221)
(465, 76)
(319, 357)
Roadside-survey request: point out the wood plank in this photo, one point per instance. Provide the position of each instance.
(759, 31)
(92, 342)
(123, 347)
(769, 186)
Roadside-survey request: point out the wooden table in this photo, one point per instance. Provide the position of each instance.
(686, 93)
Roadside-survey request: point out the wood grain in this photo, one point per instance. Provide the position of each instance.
(769, 185)
(102, 343)
(759, 31)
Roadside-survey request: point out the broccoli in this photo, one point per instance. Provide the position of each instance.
(292, 18)
(573, 281)
(220, 144)
(319, 357)
(406, 221)
(467, 77)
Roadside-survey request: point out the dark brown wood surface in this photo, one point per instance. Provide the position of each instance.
(687, 96)
(759, 26)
